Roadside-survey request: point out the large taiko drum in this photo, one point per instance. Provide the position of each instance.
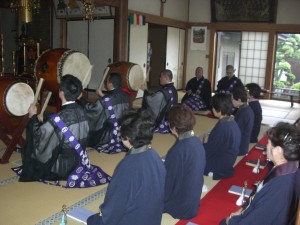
(16, 96)
(55, 63)
(132, 74)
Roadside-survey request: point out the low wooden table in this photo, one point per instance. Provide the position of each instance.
(284, 94)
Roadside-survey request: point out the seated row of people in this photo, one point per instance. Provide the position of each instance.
(198, 94)
(171, 193)
(142, 187)
(176, 188)
(45, 157)
(103, 117)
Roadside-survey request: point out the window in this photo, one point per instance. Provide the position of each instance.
(286, 77)
(253, 60)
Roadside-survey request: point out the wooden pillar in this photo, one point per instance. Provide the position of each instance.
(270, 63)
(121, 32)
(184, 80)
(212, 57)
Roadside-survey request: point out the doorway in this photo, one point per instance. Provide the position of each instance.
(228, 53)
(157, 41)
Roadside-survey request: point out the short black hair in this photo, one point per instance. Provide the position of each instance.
(239, 92)
(221, 102)
(287, 136)
(254, 90)
(137, 126)
(71, 86)
(167, 73)
(115, 79)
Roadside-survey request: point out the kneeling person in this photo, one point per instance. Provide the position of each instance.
(185, 163)
(224, 140)
(49, 154)
(135, 194)
(103, 116)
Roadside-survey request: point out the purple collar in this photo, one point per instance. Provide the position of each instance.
(286, 168)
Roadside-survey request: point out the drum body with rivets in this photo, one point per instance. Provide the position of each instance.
(132, 74)
(55, 63)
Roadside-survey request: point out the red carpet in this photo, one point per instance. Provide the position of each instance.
(218, 203)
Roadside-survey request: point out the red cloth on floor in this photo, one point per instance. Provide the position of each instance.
(218, 203)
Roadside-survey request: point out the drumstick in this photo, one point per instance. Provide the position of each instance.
(45, 103)
(38, 89)
(104, 76)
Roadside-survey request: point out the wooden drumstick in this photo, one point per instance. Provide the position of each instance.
(104, 76)
(38, 89)
(45, 103)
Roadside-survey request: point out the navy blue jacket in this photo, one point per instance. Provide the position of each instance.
(275, 203)
(135, 194)
(256, 108)
(185, 163)
(244, 118)
(222, 149)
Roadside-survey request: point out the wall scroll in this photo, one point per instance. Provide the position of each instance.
(198, 38)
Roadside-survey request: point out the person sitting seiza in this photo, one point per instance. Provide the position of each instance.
(158, 103)
(244, 117)
(51, 156)
(198, 92)
(226, 83)
(135, 195)
(103, 116)
(276, 198)
(224, 140)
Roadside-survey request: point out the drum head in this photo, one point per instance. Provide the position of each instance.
(76, 64)
(136, 77)
(18, 98)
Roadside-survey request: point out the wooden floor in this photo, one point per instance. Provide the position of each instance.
(37, 203)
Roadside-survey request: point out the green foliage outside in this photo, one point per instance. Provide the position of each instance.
(296, 86)
(287, 49)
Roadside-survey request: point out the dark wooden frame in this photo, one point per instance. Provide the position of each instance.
(243, 11)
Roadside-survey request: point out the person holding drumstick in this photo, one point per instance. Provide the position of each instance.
(158, 103)
(103, 116)
(48, 154)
